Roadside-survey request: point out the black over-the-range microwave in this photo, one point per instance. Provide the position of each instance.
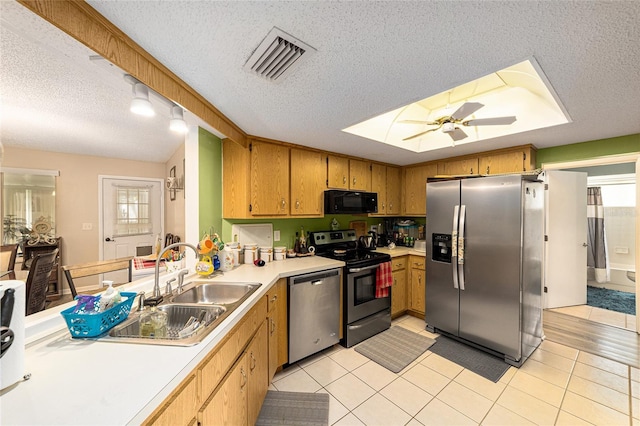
(350, 202)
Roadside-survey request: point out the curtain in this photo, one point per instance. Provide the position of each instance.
(597, 264)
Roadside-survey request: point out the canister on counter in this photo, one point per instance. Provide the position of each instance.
(235, 250)
(279, 253)
(250, 253)
(266, 254)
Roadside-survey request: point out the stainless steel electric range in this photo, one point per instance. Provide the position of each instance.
(364, 314)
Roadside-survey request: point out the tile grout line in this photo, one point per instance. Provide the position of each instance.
(566, 389)
(630, 396)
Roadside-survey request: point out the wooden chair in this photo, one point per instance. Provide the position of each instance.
(8, 254)
(38, 281)
(95, 268)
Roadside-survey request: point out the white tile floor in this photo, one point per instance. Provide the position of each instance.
(603, 316)
(557, 385)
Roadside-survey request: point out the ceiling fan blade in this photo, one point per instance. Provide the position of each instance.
(466, 109)
(428, 123)
(457, 134)
(420, 134)
(490, 121)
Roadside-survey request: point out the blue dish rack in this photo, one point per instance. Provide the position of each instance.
(83, 325)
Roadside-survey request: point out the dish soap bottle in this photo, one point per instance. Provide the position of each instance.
(153, 323)
(110, 297)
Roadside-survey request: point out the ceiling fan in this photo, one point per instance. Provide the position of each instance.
(449, 124)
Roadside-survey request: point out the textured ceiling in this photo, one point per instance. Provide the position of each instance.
(371, 57)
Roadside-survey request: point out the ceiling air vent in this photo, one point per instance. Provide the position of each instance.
(277, 55)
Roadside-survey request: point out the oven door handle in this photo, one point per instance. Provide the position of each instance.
(366, 268)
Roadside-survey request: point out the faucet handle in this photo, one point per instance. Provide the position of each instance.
(141, 301)
(168, 290)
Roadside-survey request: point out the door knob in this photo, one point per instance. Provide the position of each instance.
(108, 239)
(584, 244)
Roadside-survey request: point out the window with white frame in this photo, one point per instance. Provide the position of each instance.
(133, 211)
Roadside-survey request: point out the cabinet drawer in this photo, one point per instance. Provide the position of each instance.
(398, 263)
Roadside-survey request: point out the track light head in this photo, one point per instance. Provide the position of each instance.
(177, 123)
(140, 103)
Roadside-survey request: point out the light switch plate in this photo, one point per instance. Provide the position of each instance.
(276, 235)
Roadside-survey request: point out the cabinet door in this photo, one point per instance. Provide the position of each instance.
(269, 179)
(415, 187)
(394, 190)
(258, 364)
(468, 166)
(417, 284)
(228, 405)
(181, 407)
(379, 185)
(307, 182)
(359, 175)
(283, 323)
(236, 168)
(399, 293)
(507, 162)
(273, 329)
(337, 172)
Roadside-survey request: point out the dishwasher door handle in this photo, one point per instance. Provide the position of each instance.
(363, 269)
(318, 282)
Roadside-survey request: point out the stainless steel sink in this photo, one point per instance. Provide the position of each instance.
(206, 292)
(177, 318)
(213, 301)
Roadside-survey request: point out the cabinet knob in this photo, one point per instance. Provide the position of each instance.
(297, 204)
(471, 171)
(487, 169)
(354, 181)
(243, 383)
(344, 180)
(273, 326)
(283, 203)
(382, 206)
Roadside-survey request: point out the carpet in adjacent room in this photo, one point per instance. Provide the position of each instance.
(294, 409)
(395, 348)
(482, 363)
(613, 300)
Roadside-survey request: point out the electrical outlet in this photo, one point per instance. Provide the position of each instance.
(87, 226)
(276, 235)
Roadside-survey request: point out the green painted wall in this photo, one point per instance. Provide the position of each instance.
(592, 149)
(210, 184)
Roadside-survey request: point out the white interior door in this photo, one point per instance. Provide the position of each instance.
(132, 218)
(566, 248)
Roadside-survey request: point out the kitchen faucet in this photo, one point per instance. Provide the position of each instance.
(156, 286)
(181, 275)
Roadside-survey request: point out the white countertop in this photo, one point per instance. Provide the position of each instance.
(98, 382)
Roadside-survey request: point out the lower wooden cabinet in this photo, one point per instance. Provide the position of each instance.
(399, 289)
(417, 283)
(258, 363)
(228, 405)
(277, 326)
(180, 409)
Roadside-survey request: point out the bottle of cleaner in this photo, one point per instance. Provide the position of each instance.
(110, 297)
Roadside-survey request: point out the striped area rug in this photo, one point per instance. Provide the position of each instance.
(395, 348)
(294, 409)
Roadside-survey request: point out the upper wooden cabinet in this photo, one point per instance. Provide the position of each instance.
(269, 179)
(337, 172)
(387, 183)
(415, 188)
(359, 175)
(466, 166)
(520, 160)
(307, 182)
(236, 170)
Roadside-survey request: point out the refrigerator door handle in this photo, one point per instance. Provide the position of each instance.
(463, 216)
(454, 245)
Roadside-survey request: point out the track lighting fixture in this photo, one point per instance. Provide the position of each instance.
(140, 103)
(177, 123)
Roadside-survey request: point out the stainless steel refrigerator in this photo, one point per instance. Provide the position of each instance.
(484, 262)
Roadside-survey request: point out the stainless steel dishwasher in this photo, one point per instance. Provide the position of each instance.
(314, 313)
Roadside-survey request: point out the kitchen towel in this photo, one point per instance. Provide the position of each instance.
(384, 280)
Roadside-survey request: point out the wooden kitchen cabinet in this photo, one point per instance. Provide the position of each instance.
(238, 399)
(465, 166)
(269, 179)
(417, 283)
(181, 407)
(359, 175)
(513, 161)
(236, 174)
(386, 182)
(278, 326)
(228, 405)
(399, 289)
(307, 183)
(415, 188)
(337, 172)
